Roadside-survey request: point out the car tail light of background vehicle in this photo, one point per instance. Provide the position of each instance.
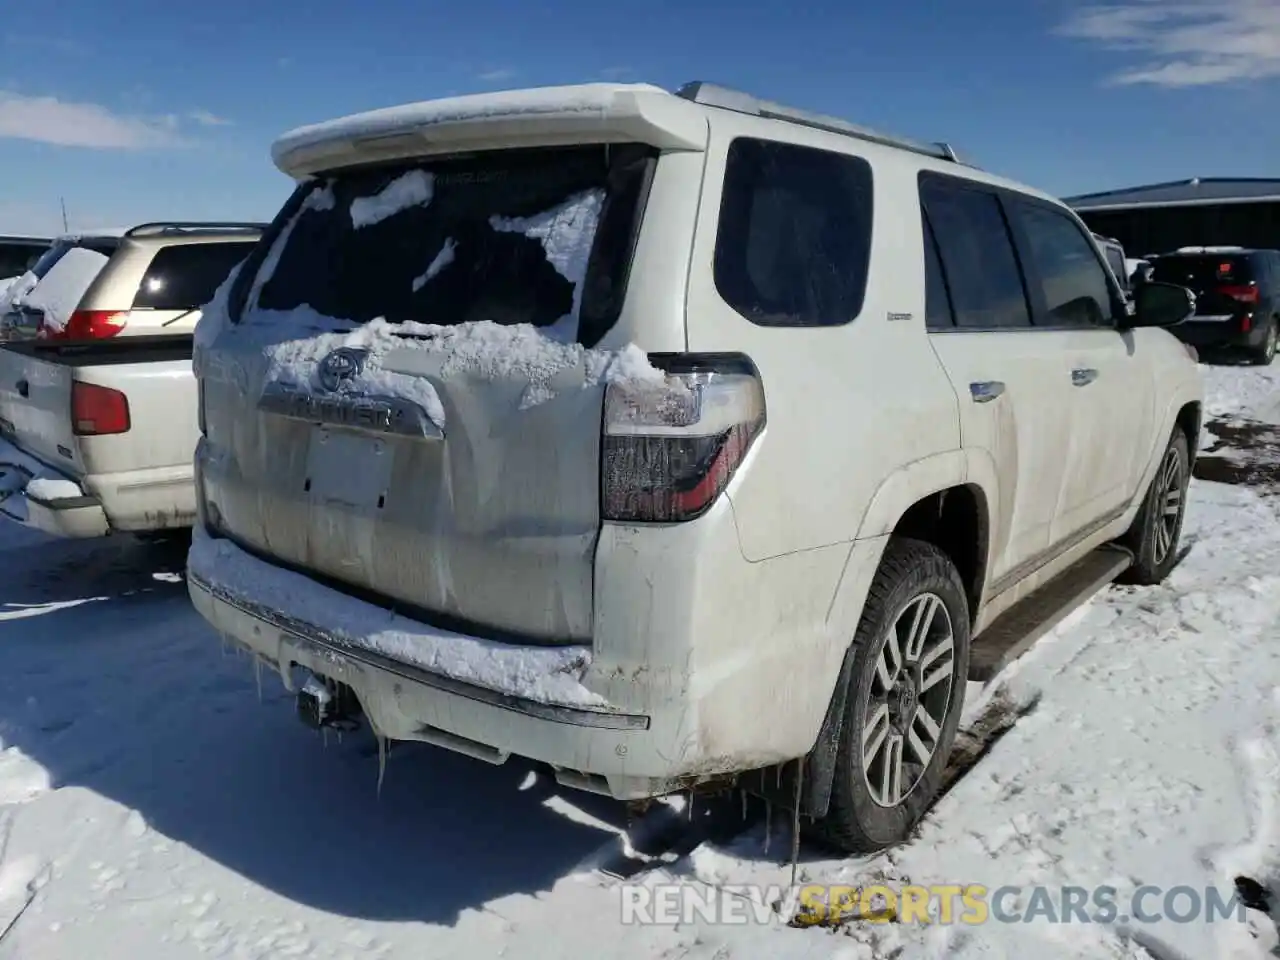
(85, 325)
(97, 411)
(1243, 293)
(669, 450)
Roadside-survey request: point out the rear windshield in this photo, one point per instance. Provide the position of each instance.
(1203, 271)
(186, 276)
(538, 236)
(103, 245)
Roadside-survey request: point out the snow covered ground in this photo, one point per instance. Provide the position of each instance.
(151, 806)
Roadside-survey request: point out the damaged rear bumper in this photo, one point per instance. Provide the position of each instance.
(298, 641)
(74, 514)
(590, 746)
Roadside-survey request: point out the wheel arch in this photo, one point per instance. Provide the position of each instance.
(955, 518)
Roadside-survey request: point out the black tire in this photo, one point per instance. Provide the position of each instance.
(1154, 536)
(1265, 352)
(910, 573)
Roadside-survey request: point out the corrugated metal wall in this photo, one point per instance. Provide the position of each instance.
(1160, 229)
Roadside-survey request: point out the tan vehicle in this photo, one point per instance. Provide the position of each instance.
(98, 411)
(147, 280)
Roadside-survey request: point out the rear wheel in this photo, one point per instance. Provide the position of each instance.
(1265, 352)
(1153, 538)
(911, 663)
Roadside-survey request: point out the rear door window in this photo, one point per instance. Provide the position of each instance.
(542, 237)
(794, 239)
(977, 254)
(938, 313)
(186, 276)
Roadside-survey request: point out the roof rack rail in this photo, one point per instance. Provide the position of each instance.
(161, 227)
(714, 95)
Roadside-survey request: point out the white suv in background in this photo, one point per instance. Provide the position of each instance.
(148, 280)
(673, 440)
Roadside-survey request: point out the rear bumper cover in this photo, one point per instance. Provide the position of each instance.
(669, 693)
(78, 515)
(295, 635)
(591, 745)
(1200, 332)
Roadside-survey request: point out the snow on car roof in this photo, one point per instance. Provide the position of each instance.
(577, 98)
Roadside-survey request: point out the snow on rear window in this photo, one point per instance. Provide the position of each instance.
(413, 189)
(504, 238)
(442, 260)
(566, 233)
(59, 293)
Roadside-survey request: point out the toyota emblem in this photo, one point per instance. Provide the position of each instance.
(342, 366)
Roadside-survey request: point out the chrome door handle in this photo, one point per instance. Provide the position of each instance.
(1083, 376)
(984, 391)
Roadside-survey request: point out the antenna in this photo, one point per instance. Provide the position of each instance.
(63, 202)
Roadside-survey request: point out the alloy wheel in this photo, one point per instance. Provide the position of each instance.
(909, 694)
(1171, 502)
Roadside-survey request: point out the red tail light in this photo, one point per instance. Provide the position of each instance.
(670, 448)
(86, 325)
(1245, 294)
(97, 411)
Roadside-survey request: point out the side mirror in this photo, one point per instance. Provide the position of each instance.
(1161, 305)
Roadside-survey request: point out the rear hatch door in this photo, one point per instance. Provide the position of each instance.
(409, 408)
(1217, 279)
(56, 284)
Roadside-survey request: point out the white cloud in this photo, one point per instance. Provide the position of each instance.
(50, 120)
(1186, 43)
(496, 76)
(207, 119)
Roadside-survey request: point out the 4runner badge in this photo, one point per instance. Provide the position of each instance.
(341, 367)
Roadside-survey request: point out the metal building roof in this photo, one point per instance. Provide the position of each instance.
(1182, 193)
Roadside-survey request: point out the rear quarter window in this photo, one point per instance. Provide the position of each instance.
(186, 276)
(794, 237)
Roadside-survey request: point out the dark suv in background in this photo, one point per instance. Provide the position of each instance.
(19, 254)
(1237, 297)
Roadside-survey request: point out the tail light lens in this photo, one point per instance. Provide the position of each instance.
(85, 325)
(671, 448)
(1244, 294)
(98, 411)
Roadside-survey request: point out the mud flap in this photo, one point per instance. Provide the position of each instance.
(817, 768)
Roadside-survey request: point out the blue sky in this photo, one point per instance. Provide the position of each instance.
(138, 109)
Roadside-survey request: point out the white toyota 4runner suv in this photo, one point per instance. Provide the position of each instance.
(673, 440)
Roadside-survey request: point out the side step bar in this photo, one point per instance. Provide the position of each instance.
(1019, 627)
